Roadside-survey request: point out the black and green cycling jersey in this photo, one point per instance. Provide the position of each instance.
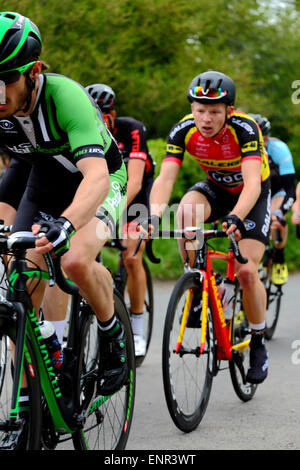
(65, 125)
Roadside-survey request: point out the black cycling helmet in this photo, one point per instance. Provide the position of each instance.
(20, 43)
(263, 122)
(212, 87)
(103, 95)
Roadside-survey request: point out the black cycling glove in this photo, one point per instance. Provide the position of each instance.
(58, 232)
(280, 217)
(232, 219)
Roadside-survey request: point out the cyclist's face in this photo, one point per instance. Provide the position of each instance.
(109, 119)
(210, 118)
(16, 94)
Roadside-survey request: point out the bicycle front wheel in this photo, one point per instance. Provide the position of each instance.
(187, 374)
(108, 419)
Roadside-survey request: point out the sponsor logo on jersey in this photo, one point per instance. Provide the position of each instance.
(6, 125)
(180, 126)
(244, 125)
(250, 146)
(21, 148)
(174, 149)
(219, 163)
(226, 178)
(249, 224)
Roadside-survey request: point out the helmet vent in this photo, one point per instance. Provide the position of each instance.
(10, 16)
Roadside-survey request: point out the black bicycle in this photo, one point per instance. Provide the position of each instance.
(120, 282)
(64, 404)
(274, 293)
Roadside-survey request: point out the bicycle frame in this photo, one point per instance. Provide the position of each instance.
(204, 267)
(27, 322)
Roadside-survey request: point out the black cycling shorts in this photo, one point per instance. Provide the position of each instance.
(139, 207)
(257, 222)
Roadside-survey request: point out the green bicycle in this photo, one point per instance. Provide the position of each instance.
(63, 405)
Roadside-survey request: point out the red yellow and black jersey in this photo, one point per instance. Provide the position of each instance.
(221, 156)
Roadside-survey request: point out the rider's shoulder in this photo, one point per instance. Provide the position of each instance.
(183, 125)
(57, 85)
(242, 122)
(129, 122)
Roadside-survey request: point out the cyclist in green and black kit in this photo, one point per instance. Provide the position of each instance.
(59, 145)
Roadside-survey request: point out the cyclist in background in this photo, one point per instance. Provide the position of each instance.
(130, 135)
(282, 175)
(228, 145)
(51, 123)
(296, 207)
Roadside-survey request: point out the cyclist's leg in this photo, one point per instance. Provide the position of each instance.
(193, 210)
(95, 283)
(279, 267)
(136, 285)
(254, 296)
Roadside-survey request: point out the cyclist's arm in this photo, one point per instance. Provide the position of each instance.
(296, 207)
(251, 172)
(90, 193)
(288, 184)
(282, 157)
(163, 186)
(135, 174)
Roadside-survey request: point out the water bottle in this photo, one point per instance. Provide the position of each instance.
(228, 297)
(53, 345)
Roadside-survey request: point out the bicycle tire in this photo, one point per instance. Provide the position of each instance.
(240, 332)
(109, 418)
(31, 438)
(274, 294)
(148, 305)
(186, 401)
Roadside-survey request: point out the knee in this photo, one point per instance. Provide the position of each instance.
(132, 263)
(74, 265)
(248, 276)
(185, 214)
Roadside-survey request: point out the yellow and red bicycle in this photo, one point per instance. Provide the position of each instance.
(192, 353)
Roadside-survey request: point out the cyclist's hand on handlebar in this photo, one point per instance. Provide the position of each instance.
(57, 234)
(278, 220)
(148, 227)
(233, 224)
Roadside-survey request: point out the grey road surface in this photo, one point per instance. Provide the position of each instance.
(271, 420)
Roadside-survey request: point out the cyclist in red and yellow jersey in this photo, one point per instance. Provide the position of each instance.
(228, 145)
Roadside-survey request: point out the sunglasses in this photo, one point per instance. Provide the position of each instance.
(211, 93)
(12, 76)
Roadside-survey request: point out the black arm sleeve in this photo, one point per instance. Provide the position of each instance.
(288, 184)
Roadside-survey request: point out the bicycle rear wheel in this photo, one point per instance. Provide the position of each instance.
(28, 437)
(187, 375)
(148, 307)
(108, 419)
(238, 366)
